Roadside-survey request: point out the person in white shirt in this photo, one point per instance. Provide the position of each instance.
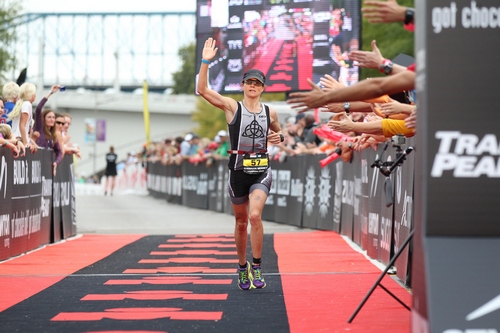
(22, 115)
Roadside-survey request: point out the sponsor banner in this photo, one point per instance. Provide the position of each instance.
(361, 202)
(463, 291)
(347, 226)
(66, 176)
(289, 190)
(174, 184)
(43, 185)
(5, 202)
(463, 146)
(324, 192)
(403, 213)
(154, 180)
(457, 183)
(215, 186)
(375, 181)
(23, 211)
(269, 208)
(227, 205)
(194, 186)
(337, 195)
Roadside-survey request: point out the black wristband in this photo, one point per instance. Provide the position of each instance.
(410, 13)
(282, 137)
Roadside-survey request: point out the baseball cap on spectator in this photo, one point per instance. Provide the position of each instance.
(299, 116)
(188, 137)
(221, 133)
(254, 74)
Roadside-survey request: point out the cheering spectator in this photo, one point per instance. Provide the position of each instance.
(8, 141)
(10, 93)
(22, 115)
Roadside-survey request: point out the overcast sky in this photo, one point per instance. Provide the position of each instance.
(36, 6)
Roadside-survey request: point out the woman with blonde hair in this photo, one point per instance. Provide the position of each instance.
(22, 115)
(7, 140)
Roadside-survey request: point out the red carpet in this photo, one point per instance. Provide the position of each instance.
(324, 280)
(134, 283)
(29, 274)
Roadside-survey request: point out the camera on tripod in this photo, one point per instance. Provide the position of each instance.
(398, 140)
(386, 168)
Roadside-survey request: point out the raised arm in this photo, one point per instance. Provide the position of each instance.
(226, 104)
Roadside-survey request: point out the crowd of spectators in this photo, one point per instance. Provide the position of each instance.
(23, 129)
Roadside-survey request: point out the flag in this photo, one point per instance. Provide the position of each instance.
(146, 110)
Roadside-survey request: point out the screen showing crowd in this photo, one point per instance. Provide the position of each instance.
(288, 40)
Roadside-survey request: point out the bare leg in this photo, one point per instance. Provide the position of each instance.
(112, 185)
(240, 231)
(256, 205)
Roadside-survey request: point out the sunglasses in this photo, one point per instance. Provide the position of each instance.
(60, 123)
(254, 82)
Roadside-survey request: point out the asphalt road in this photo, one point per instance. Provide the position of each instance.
(141, 214)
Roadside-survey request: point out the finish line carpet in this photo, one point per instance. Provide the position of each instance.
(187, 283)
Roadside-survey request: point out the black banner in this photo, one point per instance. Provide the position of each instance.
(403, 213)
(34, 209)
(457, 174)
(347, 226)
(194, 186)
(216, 186)
(289, 186)
(5, 202)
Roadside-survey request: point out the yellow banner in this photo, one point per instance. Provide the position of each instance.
(146, 111)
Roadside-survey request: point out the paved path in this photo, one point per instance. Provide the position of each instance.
(142, 214)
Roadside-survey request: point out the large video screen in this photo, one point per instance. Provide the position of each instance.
(288, 40)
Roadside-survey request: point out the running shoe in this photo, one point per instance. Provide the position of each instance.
(245, 277)
(257, 281)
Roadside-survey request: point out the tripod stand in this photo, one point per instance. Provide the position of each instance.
(377, 283)
(386, 168)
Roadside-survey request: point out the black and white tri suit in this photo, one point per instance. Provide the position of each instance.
(247, 134)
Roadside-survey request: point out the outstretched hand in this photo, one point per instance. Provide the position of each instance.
(341, 123)
(329, 83)
(383, 11)
(303, 101)
(368, 59)
(209, 50)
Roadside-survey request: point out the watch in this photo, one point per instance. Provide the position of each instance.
(409, 14)
(282, 137)
(349, 145)
(347, 107)
(386, 67)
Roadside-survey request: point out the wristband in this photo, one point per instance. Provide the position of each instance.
(282, 137)
(205, 61)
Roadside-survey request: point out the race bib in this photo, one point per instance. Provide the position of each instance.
(255, 163)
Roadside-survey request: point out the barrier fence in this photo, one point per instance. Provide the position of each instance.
(36, 208)
(353, 199)
(349, 198)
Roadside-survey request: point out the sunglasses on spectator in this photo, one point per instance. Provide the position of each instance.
(257, 83)
(60, 122)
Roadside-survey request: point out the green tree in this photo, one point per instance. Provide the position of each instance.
(8, 17)
(184, 78)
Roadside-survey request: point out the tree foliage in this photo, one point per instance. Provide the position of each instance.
(8, 35)
(184, 78)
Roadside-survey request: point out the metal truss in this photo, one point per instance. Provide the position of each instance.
(103, 50)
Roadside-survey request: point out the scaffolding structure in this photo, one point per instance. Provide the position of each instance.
(103, 50)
